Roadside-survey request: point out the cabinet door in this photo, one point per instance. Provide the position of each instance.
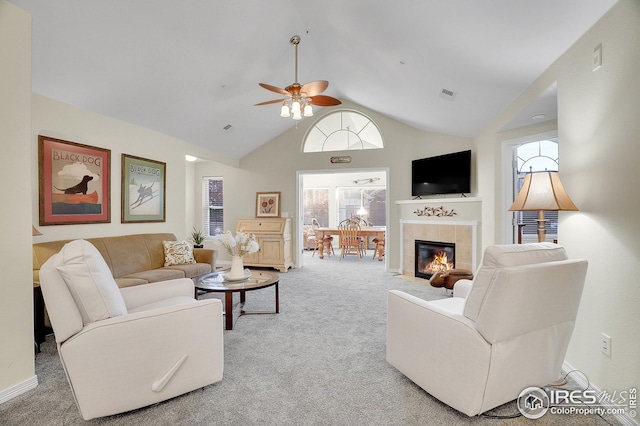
(271, 250)
(252, 258)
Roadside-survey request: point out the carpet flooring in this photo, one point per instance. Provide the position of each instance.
(320, 361)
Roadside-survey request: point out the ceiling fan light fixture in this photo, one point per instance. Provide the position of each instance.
(295, 107)
(299, 98)
(284, 111)
(308, 111)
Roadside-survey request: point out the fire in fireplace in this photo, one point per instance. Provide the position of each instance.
(432, 257)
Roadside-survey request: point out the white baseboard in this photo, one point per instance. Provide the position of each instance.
(584, 383)
(20, 388)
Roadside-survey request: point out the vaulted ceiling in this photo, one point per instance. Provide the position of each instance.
(190, 68)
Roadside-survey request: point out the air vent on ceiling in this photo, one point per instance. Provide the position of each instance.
(227, 127)
(448, 94)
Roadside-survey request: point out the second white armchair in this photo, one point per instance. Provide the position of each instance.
(511, 331)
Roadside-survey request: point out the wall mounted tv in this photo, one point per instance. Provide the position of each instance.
(443, 174)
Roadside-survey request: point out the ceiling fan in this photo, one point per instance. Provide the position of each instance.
(299, 98)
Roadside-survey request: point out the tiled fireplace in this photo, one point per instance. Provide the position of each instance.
(458, 235)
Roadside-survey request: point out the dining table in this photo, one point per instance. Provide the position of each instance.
(365, 231)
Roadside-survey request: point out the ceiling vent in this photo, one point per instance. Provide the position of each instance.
(448, 94)
(227, 127)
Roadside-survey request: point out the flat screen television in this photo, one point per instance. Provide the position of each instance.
(442, 174)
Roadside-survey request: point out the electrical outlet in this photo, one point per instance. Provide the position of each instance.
(605, 343)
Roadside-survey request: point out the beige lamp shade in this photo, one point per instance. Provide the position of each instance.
(542, 191)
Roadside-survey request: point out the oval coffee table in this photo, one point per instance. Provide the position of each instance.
(214, 282)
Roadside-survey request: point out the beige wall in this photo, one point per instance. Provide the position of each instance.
(273, 167)
(598, 131)
(62, 121)
(17, 372)
(600, 145)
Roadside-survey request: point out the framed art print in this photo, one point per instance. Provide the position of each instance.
(73, 182)
(268, 204)
(143, 190)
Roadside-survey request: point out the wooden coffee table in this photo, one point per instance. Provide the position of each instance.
(214, 282)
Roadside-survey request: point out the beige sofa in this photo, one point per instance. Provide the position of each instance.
(133, 259)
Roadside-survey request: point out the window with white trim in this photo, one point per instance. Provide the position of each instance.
(212, 205)
(536, 157)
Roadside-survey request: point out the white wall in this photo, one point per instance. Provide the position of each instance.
(599, 133)
(17, 372)
(273, 167)
(58, 120)
(598, 128)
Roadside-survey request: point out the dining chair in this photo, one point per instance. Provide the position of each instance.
(379, 248)
(350, 239)
(364, 240)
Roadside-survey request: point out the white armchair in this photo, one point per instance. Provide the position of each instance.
(127, 348)
(510, 332)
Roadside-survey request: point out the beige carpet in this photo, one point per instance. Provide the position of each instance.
(321, 361)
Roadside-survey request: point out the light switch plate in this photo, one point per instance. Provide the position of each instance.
(597, 57)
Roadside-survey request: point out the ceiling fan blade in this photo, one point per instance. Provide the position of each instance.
(274, 88)
(275, 101)
(322, 100)
(314, 88)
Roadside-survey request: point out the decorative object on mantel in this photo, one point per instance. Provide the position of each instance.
(237, 246)
(542, 191)
(435, 211)
(35, 232)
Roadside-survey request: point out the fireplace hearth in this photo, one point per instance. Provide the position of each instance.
(432, 257)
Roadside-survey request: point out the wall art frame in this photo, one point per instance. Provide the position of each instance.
(267, 204)
(74, 183)
(143, 190)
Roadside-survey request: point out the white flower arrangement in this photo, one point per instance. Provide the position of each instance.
(238, 245)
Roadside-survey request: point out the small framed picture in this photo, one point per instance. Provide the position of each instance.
(143, 190)
(268, 204)
(74, 182)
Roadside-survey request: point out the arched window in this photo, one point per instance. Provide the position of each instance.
(342, 130)
(536, 157)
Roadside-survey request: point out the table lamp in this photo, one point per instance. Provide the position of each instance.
(542, 191)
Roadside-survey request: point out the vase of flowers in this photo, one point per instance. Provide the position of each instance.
(237, 246)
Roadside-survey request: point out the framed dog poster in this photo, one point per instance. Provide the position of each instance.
(74, 182)
(143, 190)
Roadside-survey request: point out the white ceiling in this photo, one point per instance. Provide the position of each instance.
(189, 68)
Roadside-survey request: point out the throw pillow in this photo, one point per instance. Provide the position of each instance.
(90, 282)
(177, 253)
